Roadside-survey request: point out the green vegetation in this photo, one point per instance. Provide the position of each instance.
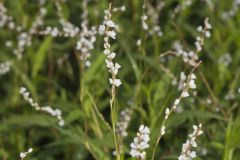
(46, 48)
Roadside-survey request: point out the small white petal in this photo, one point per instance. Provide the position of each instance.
(185, 94)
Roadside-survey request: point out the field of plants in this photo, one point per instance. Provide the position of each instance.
(120, 79)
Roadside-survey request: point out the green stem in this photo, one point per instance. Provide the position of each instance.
(112, 106)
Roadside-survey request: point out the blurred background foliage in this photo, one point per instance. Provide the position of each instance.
(50, 69)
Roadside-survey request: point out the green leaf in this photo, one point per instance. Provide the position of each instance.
(40, 56)
(27, 120)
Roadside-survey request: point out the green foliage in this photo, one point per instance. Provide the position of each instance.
(54, 74)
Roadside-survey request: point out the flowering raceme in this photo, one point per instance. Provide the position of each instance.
(87, 37)
(24, 154)
(187, 152)
(53, 112)
(108, 28)
(122, 124)
(4, 67)
(140, 143)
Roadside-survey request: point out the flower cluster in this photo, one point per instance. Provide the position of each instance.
(53, 31)
(144, 18)
(188, 84)
(205, 32)
(5, 19)
(122, 9)
(107, 28)
(225, 59)
(153, 14)
(24, 154)
(140, 143)
(24, 40)
(122, 124)
(183, 5)
(188, 57)
(4, 67)
(38, 21)
(47, 109)
(182, 80)
(187, 153)
(67, 28)
(191, 57)
(87, 37)
(121, 127)
(24, 35)
(233, 11)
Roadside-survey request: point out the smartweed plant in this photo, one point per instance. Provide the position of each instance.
(130, 79)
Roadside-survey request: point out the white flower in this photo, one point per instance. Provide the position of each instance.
(61, 123)
(144, 23)
(109, 63)
(167, 112)
(176, 102)
(122, 124)
(30, 150)
(112, 55)
(187, 153)
(5, 67)
(110, 23)
(207, 24)
(8, 43)
(192, 76)
(115, 82)
(112, 34)
(144, 17)
(56, 113)
(139, 42)
(106, 51)
(24, 154)
(225, 59)
(162, 130)
(101, 29)
(192, 84)
(185, 94)
(198, 46)
(199, 28)
(87, 63)
(140, 143)
(208, 34)
(86, 41)
(193, 154)
(117, 66)
(123, 8)
(113, 68)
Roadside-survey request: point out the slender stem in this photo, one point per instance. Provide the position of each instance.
(214, 98)
(158, 140)
(112, 106)
(113, 94)
(81, 82)
(172, 109)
